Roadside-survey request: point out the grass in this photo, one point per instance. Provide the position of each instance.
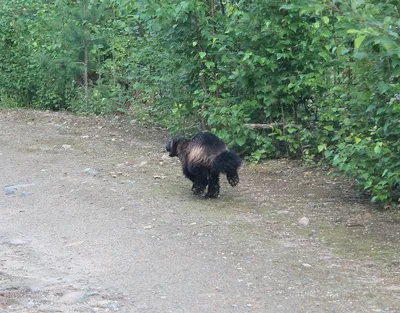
(9, 103)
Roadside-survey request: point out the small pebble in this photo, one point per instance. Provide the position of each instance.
(304, 221)
(91, 171)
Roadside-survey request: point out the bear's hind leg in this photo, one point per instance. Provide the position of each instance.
(232, 177)
(213, 185)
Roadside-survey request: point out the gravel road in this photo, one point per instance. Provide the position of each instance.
(94, 217)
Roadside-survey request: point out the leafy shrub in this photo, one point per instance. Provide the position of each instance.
(321, 78)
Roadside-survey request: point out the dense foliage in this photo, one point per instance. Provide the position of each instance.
(317, 80)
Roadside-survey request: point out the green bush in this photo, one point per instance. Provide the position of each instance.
(320, 78)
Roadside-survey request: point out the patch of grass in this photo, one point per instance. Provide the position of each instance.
(9, 103)
(344, 241)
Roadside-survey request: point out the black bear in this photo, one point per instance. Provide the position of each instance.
(203, 158)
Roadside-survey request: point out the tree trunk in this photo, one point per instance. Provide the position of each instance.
(86, 63)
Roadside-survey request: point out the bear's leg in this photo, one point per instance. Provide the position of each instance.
(232, 177)
(213, 185)
(200, 179)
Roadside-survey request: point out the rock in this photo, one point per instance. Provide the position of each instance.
(16, 242)
(91, 171)
(159, 177)
(66, 147)
(25, 193)
(304, 221)
(354, 223)
(75, 297)
(29, 305)
(9, 190)
(315, 232)
(283, 212)
(148, 227)
(113, 305)
(396, 263)
(129, 181)
(339, 220)
(108, 304)
(306, 265)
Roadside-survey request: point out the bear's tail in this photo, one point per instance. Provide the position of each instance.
(227, 162)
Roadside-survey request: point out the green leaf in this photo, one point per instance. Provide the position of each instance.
(356, 3)
(383, 87)
(353, 31)
(381, 110)
(359, 55)
(328, 154)
(372, 107)
(286, 7)
(213, 87)
(325, 19)
(358, 41)
(343, 51)
(387, 43)
(321, 147)
(347, 122)
(210, 64)
(202, 54)
(240, 141)
(336, 160)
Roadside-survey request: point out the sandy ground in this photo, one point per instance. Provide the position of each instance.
(94, 217)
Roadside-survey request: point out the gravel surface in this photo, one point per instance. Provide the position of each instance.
(94, 217)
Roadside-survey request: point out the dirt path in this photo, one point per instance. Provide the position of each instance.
(95, 218)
